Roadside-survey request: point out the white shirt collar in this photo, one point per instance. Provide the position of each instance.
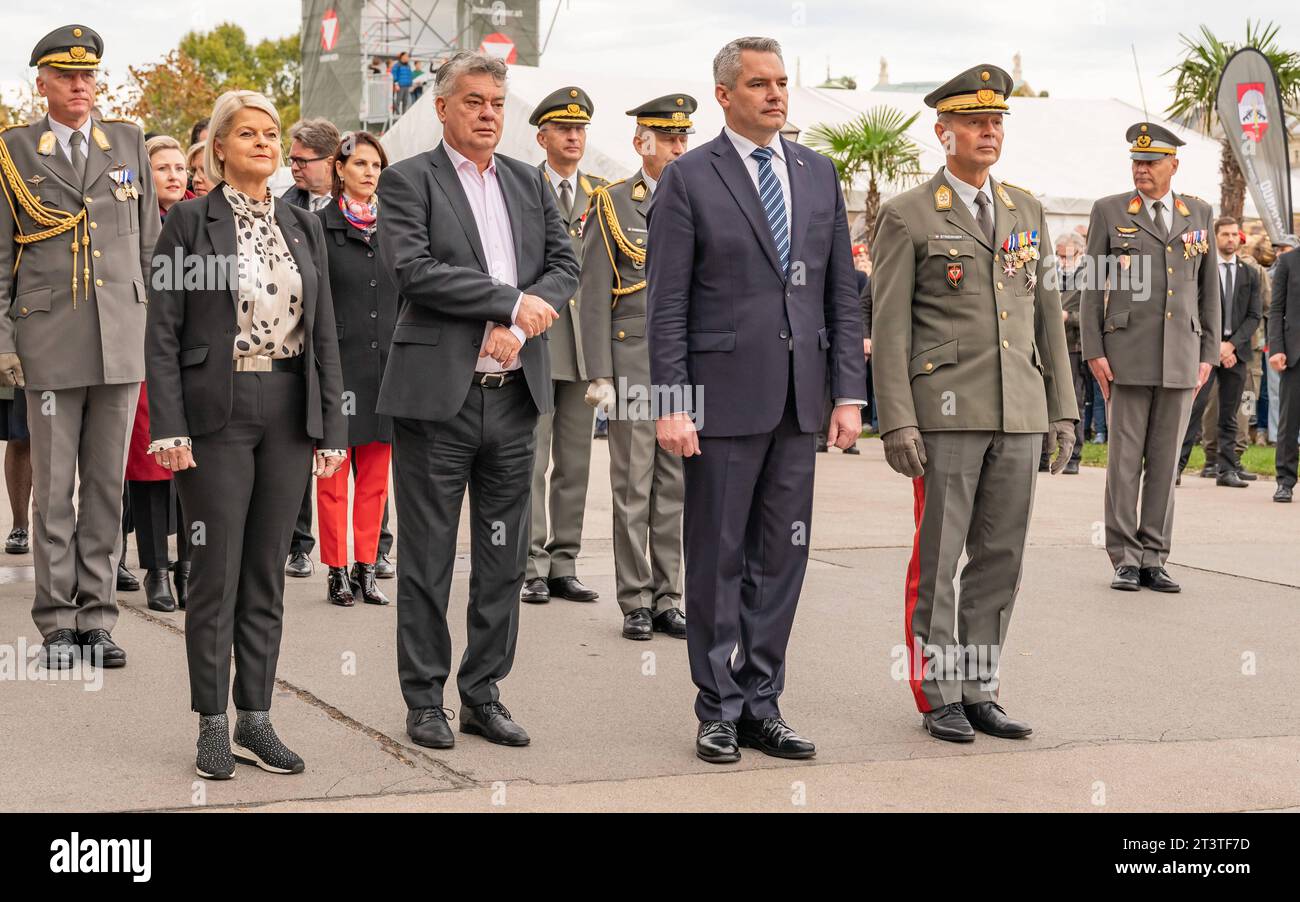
(966, 191)
(745, 147)
(64, 132)
(1231, 261)
(650, 183)
(458, 160)
(556, 179)
(1167, 200)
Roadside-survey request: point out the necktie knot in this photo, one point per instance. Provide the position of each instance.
(762, 154)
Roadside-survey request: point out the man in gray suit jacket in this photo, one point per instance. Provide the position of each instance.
(482, 262)
(73, 332)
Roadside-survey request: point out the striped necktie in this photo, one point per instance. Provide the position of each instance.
(769, 193)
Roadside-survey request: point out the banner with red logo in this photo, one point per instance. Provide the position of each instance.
(1250, 110)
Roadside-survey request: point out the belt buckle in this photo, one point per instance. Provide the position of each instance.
(257, 364)
(500, 377)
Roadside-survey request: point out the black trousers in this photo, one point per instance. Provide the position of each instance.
(156, 514)
(1288, 424)
(746, 530)
(305, 542)
(242, 497)
(1229, 382)
(488, 446)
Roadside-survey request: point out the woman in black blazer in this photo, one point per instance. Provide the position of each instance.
(244, 402)
(365, 306)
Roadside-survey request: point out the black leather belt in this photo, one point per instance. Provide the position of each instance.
(262, 364)
(497, 380)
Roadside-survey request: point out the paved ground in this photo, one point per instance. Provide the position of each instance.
(1139, 701)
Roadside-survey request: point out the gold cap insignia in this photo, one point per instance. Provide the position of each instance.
(943, 198)
(574, 108)
(573, 93)
(680, 102)
(1144, 128)
(984, 95)
(678, 115)
(1143, 141)
(984, 76)
(77, 53)
(76, 32)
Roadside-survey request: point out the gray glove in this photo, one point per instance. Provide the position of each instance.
(1060, 435)
(905, 451)
(11, 371)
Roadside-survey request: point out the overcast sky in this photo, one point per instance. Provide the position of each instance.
(1070, 49)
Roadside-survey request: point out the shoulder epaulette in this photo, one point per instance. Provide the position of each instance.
(122, 121)
(1018, 187)
(5, 128)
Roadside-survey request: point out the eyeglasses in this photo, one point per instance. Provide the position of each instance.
(300, 162)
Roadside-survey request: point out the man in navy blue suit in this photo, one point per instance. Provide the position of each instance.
(752, 302)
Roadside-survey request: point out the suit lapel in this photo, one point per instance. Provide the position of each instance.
(580, 200)
(98, 160)
(1142, 219)
(1178, 222)
(736, 177)
(511, 193)
(800, 198)
(221, 233)
(446, 177)
(56, 161)
(296, 238)
(1005, 221)
(958, 215)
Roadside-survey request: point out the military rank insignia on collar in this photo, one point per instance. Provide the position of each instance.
(101, 139)
(1195, 243)
(1135, 205)
(943, 198)
(638, 192)
(1181, 207)
(45, 146)
(1005, 198)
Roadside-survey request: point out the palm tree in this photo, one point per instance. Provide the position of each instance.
(876, 143)
(1196, 94)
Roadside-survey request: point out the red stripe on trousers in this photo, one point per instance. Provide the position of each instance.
(910, 592)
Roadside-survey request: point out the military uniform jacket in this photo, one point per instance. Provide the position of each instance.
(99, 339)
(957, 342)
(1160, 318)
(565, 334)
(612, 287)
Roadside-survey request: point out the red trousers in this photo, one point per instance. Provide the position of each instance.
(367, 507)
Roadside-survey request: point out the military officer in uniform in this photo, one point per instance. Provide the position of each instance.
(971, 369)
(1151, 341)
(563, 437)
(647, 481)
(77, 233)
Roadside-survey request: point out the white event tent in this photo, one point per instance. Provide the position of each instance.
(1068, 152)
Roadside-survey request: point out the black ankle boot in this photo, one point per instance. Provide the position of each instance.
(214, 760)
(158, 591)
(363, 581)
(181, 579)
(340, 588)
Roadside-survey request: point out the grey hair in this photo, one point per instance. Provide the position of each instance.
(466, 63)
(726, 65)
(1073, 239)
(317, 135)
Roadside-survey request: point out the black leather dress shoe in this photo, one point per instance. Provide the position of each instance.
(158, 591)
(1231, 480)
(852, 449)
(1246, 476)
(773, 736)
(1126, 579)
(428, 727)
(18, 542)
(1071, 468)
(535, 592)
(1283, 494)
(570, 588)
(99, 648)
(638, 625)
(299, 565)
(717, 743)
(384, 568)
(339, 588)
(949, 723)
(672, 622)
(61, 650)
(181, 579)
(126, 581)
(493, 722)
(363, 582)
(1210, 473)
(1157, 579)
(988, 717)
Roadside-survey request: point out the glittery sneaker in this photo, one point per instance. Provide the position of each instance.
(256, 743)
(214, 761)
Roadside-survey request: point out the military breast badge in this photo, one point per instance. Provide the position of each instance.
(955, 274)
(125, 180)
(1195, 243)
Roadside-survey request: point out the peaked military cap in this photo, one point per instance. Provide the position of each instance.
(670, 114)
(981, 89)
(567, 106)
(1152, 142)
(69, 47)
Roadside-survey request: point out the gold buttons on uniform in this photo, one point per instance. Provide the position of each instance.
(99, 283)
(622, 334)
(97, 254)
(88, 199)
(1169, 247)
(928, 366)
(640, 241)
(1169, 314)
(573, 302)
(952, 251)
(24, 311)
(1005, 343)
(1003, 314)
(1171, 292)
(999, 286)
(1171, 270)
(94, 225)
